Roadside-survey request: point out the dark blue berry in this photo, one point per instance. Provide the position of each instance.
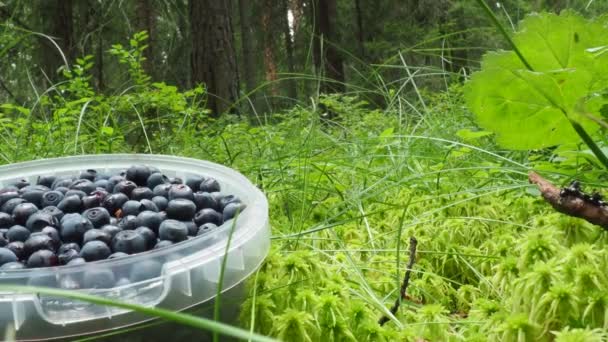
(18, 248)
(181, 209)
(6, 220)
(15, 265)
(231, 209)
(6, 196)
(70, 204)
(117, 255)
(148, 235)
(160, 202)
(97, 234)
(75, 192)
(131, 208)
(111, 229)
(180, 191)
(163, 243)
(150, 219)
(76, 261)
(10, 205)
(208, 215)
(70, 245)
(51, 198)
(173, 230)
(53, 211)
(46, 181)
(141, 192)
(156, 179)
(162, 190)
(83, 185)
(194, 182)
(148, 205)
(209, 185)
(20, 183)
(17, 233)
(125, 187)
(23, 211)
(36, 242)
(88, 174)
(98, 216)
(129, 241)
(192, 227)
(39, 220)
(6, 255)
(67, 256)
(129, 222)
(42, 258)
(95, 250)
(138, 174)
(206, 228)
(114, 202)
(73, 227)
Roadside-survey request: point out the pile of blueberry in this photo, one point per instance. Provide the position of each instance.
(95, 216)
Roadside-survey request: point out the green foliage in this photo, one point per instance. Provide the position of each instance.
(533, 109)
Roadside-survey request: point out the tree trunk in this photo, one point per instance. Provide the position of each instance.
(247, 45)
(289, 38)
(146, 21)
(213, 58)
(328, 61)
(270, 66)
(360, 36)
(57, 21)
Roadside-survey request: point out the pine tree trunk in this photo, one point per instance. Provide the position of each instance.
(327, 60)
(213, 58)
(146, 21)
(57, 21)
(291, 84)
(270, 66)
(247, 45)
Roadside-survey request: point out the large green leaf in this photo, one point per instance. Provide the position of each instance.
(531, 109)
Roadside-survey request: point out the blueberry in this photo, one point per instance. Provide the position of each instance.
(114, 202)
(73, 227)
(162, 190)
(208, 215)
(88, 174)
(163, 243)
(70, 204)
(76, 261)
(33, 195)
(114, 221)
(39, 220)
(18, 248)
(36, 242)
(175, 180)
(117, 255)
(62, 189)
(91, 201)
(46, 180)
(206, 228)
(194, 182)
(97, 234)
(95, 250)
(42, 258)
(232, 209)
(103, 184)
(62, 182)
(98, 278)
(98, 216)
(6, 255)
(112, 181)
(156, 179)
(6, 220)
(181, 209)
(83, 185)
(151, 219)
(67, 256)
(141, 192)
(228, 199)
(129, 222)
(53, 211)
(149, 205)
(102, 176)
(145, 270)
(3, 240)
(160, 202)
(192, 227)
(20, 183)
(10, 205)
(110, 229)
(72, 192)
(53, 234)
(14, 265)
(180, 191)
(148, 235)
(125, 187)
(23, 211)
(138, 174)
(51, 198)
(204, 200)
(17, 233)
(209, 185)
(70, 245)
(173, 230)
(129, 241)
(131, 208)
(5, 196)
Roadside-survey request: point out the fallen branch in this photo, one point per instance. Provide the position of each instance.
(570, 205)
(406, 281)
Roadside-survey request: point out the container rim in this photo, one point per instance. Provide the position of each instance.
(246, 224)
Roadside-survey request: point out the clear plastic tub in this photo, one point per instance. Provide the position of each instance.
(175, 277)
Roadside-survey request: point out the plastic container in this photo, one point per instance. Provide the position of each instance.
(175, 277)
